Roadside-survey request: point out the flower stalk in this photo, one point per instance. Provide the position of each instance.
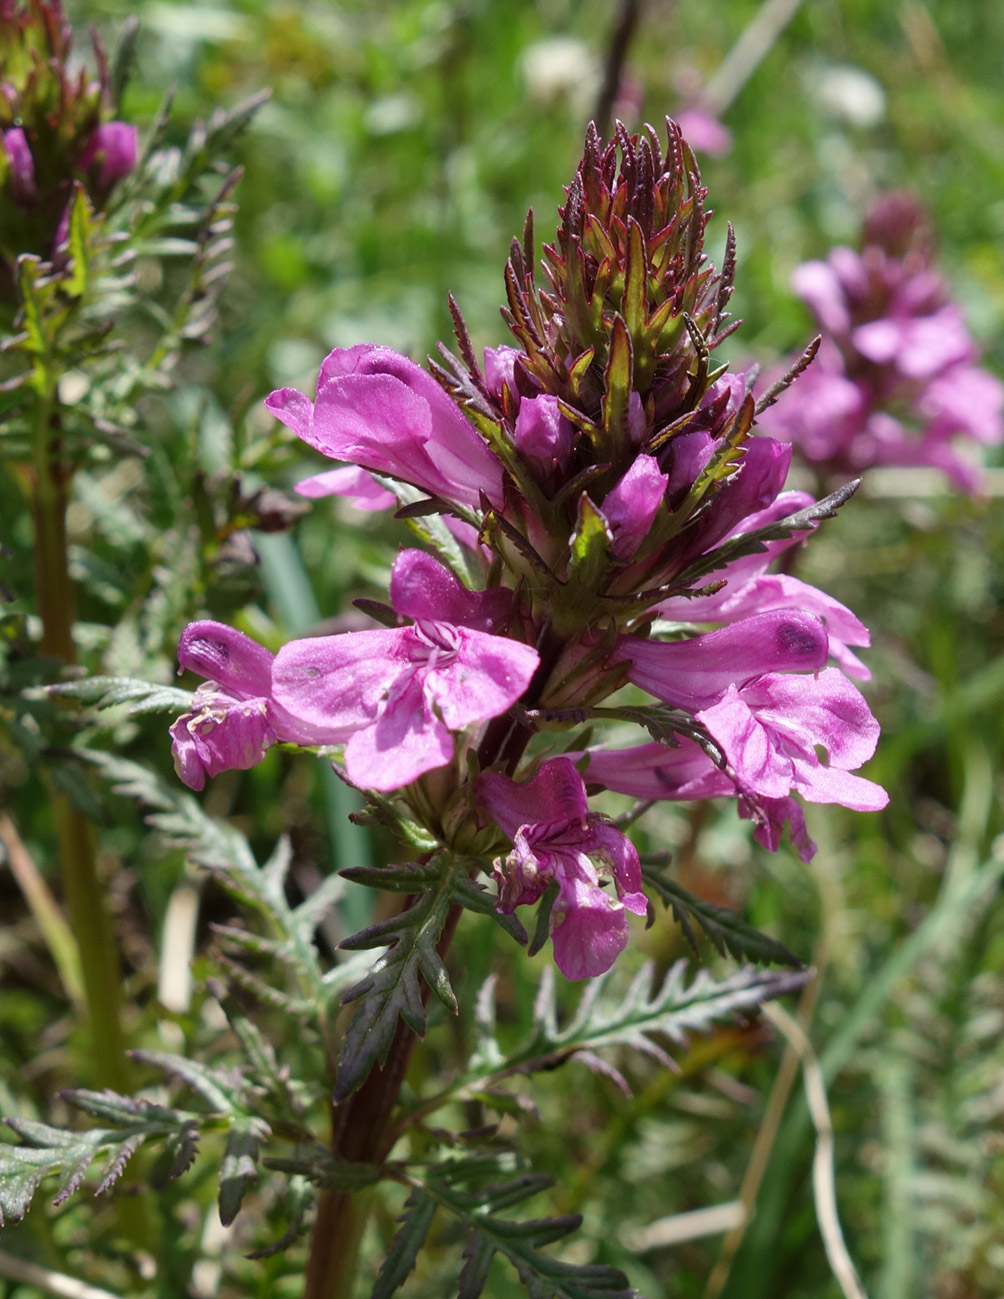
(359, 1134)
(89, 918)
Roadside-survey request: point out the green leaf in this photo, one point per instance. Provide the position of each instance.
(28, 270)
(472, 896)
(144, 696)
(239, 1168)
(753, 543)
(415, 1223)
(320, 1167)
(673, 1010)
(221, 1089)
(617, 380)
(590, 546)
(728, 931)
(79, 244)
(391, 990)
(226, 853)
(52, 1151)
(633, 301)
(457, 1186)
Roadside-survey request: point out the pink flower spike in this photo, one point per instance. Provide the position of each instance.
(395, 696)
(555, 837)
(382, 412)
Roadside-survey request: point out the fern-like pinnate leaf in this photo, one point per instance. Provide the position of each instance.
(728, 932)
(50, 1151)
(675, 1010)
(420, 1209)
(223, 851)
(457, 1186)
(141, 696)
(392, 988)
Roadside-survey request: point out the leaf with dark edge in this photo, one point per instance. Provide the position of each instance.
(116, 1164)
(590, 544)
(222, 1090)
(477, 1208)
(790, 375)
(752, 543)
(391, 990)
(415, 1223)
(378, 611)
(178, 1155)
(53, 1150)
(299, 1198)
(142, 696)
(239, 1166)
(729, 933)
(542, 928)
(473, 896)
(319, 1166)
(478, 1253)
(674, 1010)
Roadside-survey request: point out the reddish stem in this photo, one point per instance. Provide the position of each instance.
(359, 1135)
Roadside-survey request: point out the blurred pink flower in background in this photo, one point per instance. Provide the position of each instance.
(895, 381)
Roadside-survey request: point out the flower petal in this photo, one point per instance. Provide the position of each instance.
(224, 655)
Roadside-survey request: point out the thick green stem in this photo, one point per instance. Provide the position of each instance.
(360, 1129)
(91, 923)
(89, 918)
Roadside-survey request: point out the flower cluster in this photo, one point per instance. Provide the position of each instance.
(895, 380)
(54, 131)
(609, 517)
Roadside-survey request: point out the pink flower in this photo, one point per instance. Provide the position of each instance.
(556, 837)
(22, 168)
(750, 589)
(360, 487)
(894, 382)
(631, 506)
(424, 589)
(394, 698)
(233, 723)
(376, 409)
(742, 684)
(543, 436)
(685, 772)
(113, 147)
(679, 772)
